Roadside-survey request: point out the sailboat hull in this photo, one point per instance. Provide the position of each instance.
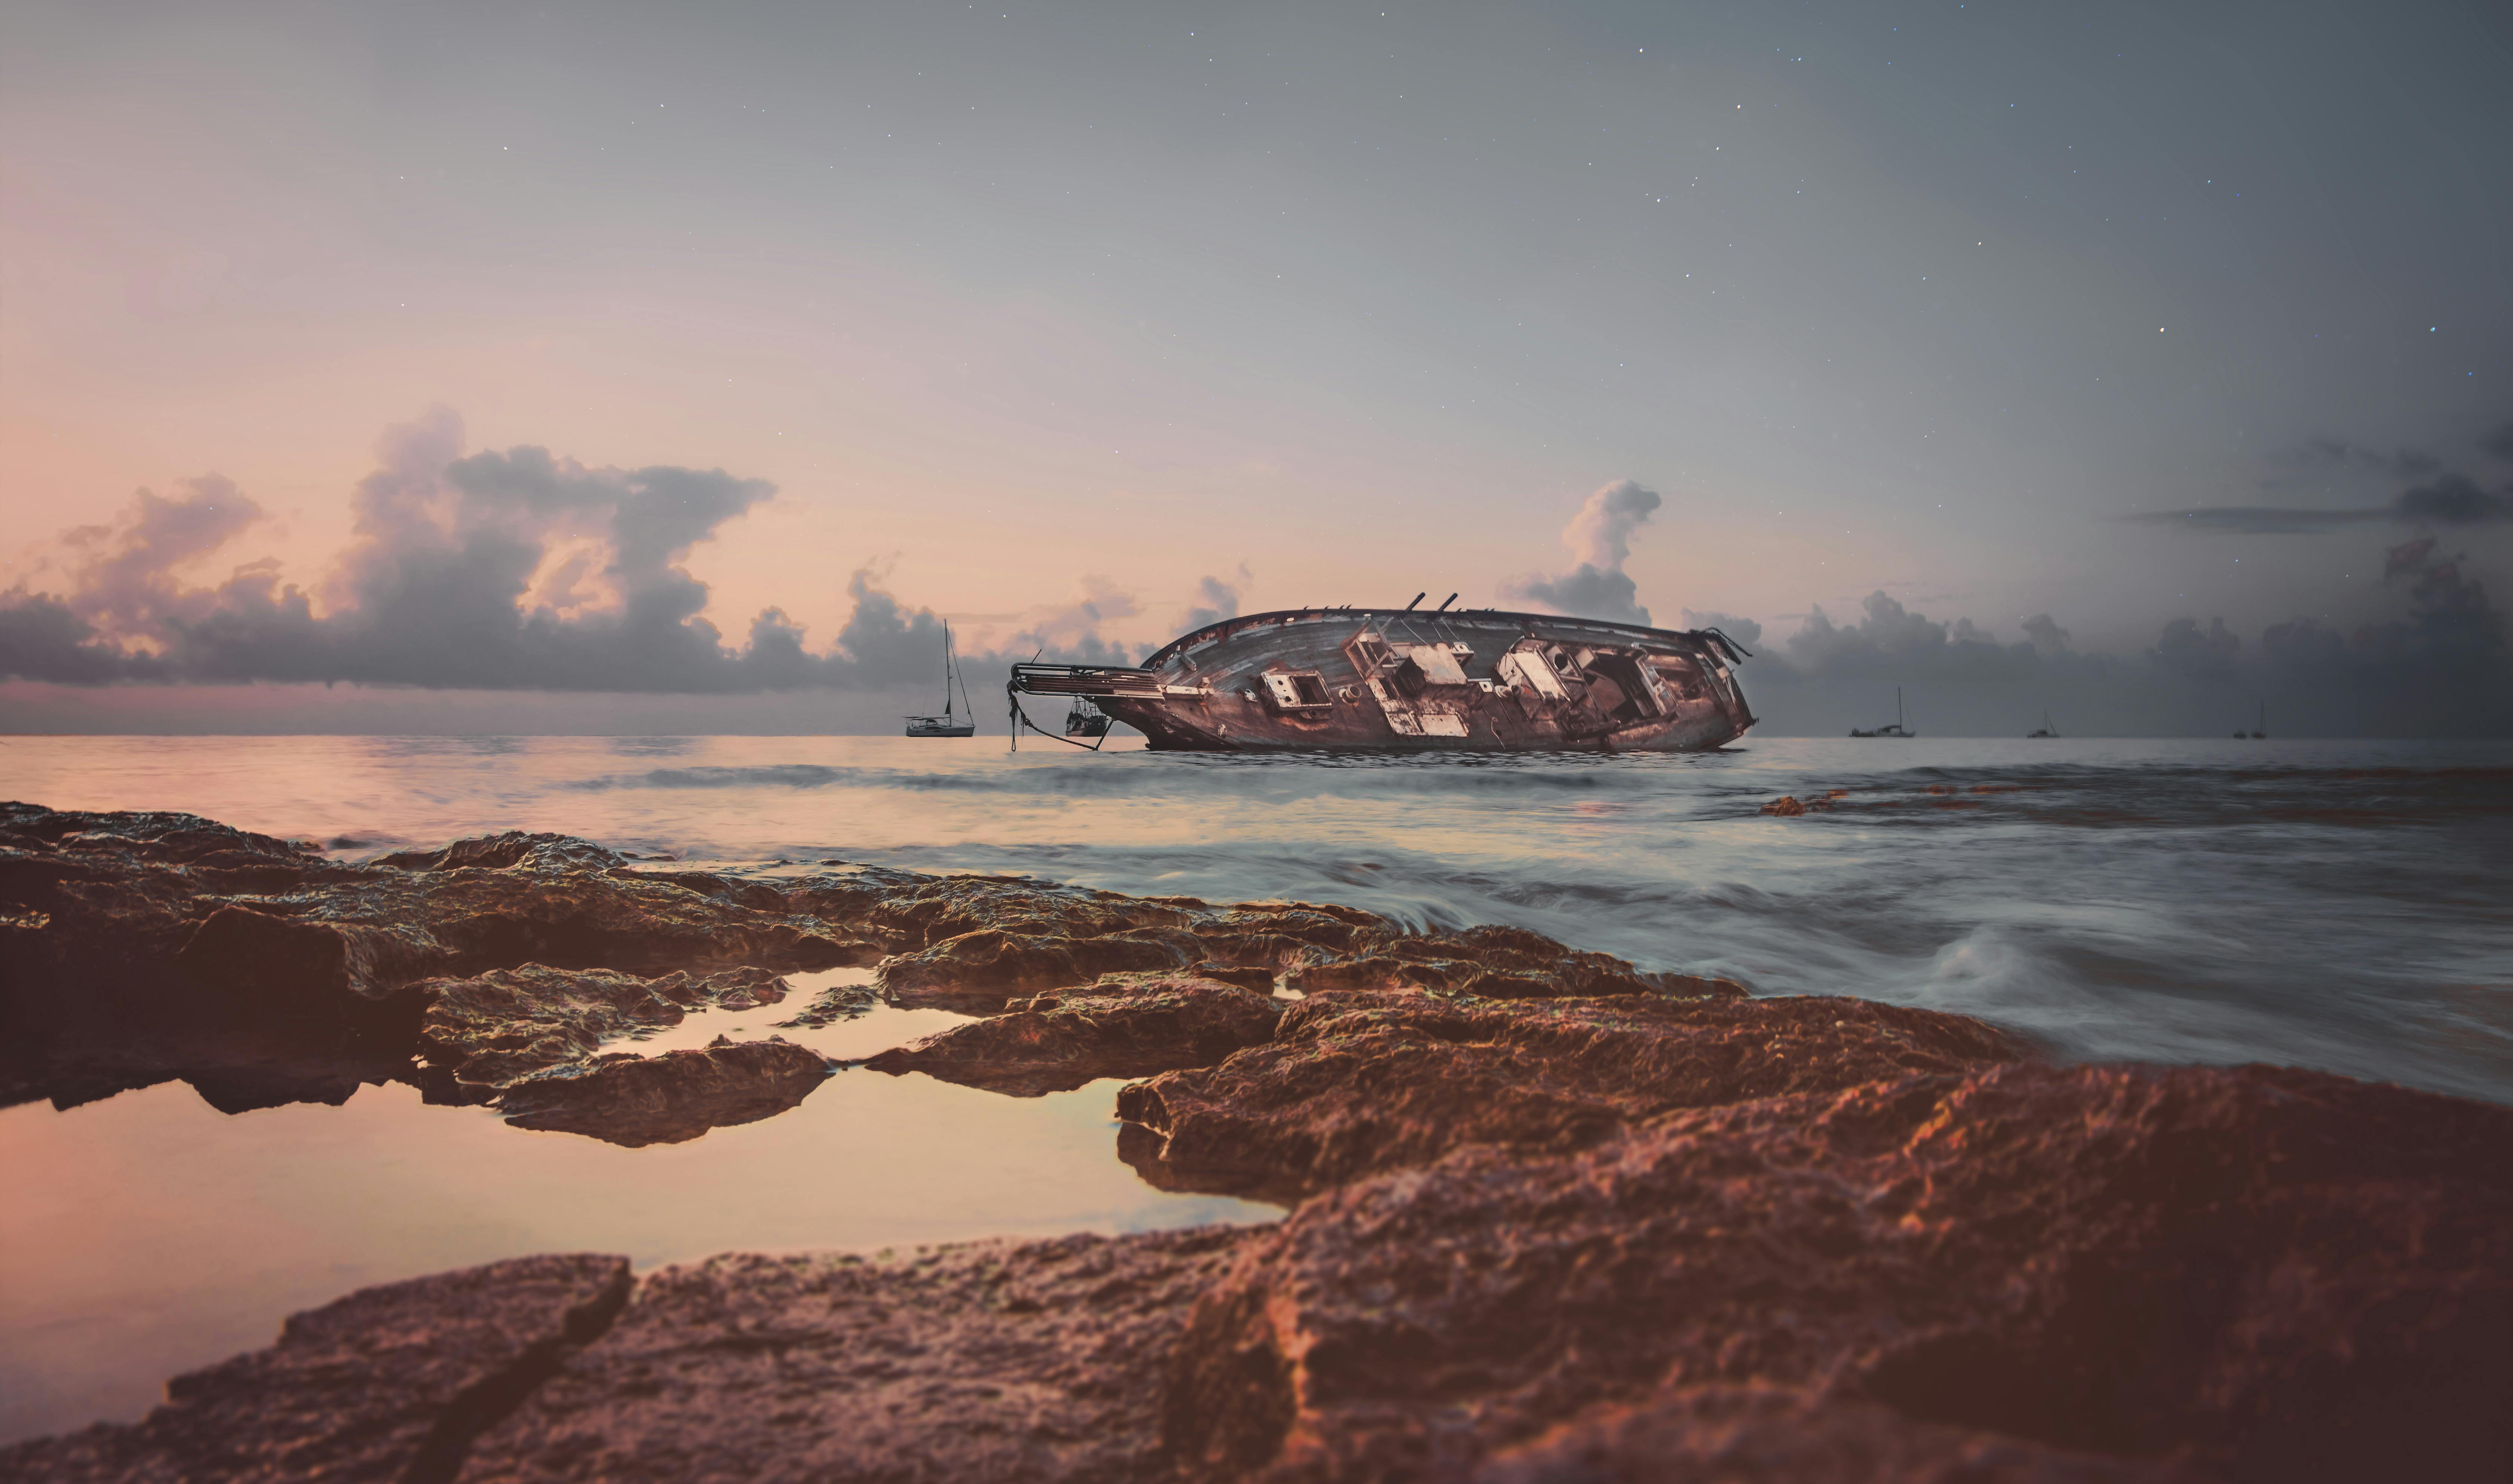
(918, 726)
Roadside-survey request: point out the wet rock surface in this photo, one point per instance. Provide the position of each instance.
(146, 947)
(1553, 1216)
(1122, 1025)
(1031, 1362)
(388, 1383)
(671, 1098)
(1777, 1435)
(493, 1031)
(2262, 1273)
(151, 947)
(1352, 1084)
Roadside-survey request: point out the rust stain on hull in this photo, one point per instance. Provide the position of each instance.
(1393, 680)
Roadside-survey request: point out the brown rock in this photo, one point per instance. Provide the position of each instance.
(1356, 1084)
(1786, 806)
(977, 973)
(495, 1028)
(1123, 1027)
(1012, 1364)
(1494, 962)
(515, 848)
(908, 911)
(1777, 1435)
(671, 1098)
(2266, 1274)
(387, 1383)
(147, 947)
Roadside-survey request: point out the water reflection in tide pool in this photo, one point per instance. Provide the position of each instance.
(149, 1233)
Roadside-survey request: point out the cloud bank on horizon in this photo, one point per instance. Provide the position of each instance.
(517, 570)
(512, 570)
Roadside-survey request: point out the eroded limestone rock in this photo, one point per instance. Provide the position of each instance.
(1355, 1083)
(1123, 1025)
(388, 1383)
(1031, 1363)
(2269, 1274)
(636, 1100)
(494, 1030)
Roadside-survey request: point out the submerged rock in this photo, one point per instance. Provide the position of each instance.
(1352, 1084)
(1124, 1026)
(388, 1383)
(2266, 1274)
(1022, 1364)
(833, 1003)
(671, 1098)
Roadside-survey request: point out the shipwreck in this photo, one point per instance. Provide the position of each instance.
(1397, 680)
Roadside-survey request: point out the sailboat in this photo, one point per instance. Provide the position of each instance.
(2263, 731)
(1894, 728)
(2047, 729)
(951, 723)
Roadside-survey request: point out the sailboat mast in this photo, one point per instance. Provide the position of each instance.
(946, 668)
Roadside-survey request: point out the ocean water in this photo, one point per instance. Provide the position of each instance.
(2335, 904)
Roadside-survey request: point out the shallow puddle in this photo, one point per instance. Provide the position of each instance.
(168, 1235)
(875, 1030)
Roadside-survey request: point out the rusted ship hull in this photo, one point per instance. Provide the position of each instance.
(1390, 680)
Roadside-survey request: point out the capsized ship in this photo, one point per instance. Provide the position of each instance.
(1395, 680)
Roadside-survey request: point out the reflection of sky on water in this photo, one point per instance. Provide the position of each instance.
(149, 1233)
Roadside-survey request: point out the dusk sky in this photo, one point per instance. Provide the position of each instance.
(1069, 322)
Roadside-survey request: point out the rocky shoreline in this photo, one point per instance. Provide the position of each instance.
(1550, 1217)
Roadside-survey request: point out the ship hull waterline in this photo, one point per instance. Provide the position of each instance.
(1391, 680)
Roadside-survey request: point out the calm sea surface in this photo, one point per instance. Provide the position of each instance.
(2322, 903)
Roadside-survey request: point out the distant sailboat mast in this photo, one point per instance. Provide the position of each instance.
(952, 722)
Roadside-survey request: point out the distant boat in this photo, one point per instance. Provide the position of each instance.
(1085, 719)
(1894, 728)
(951, 723)
(2046, 729)
(2263, 730)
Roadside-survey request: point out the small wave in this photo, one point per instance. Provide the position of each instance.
(775, 776)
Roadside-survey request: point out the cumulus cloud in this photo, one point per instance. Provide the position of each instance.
(2048, 638)
(2431, 658)
(501, 570)
(1069, 634)
(1599, 539)
(2187, 650)
(1889, 639)
(1215, 600)
(1744, 631)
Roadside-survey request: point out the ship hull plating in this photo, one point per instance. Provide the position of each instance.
(1384, 680)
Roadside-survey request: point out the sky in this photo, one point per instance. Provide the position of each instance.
(563, 367)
